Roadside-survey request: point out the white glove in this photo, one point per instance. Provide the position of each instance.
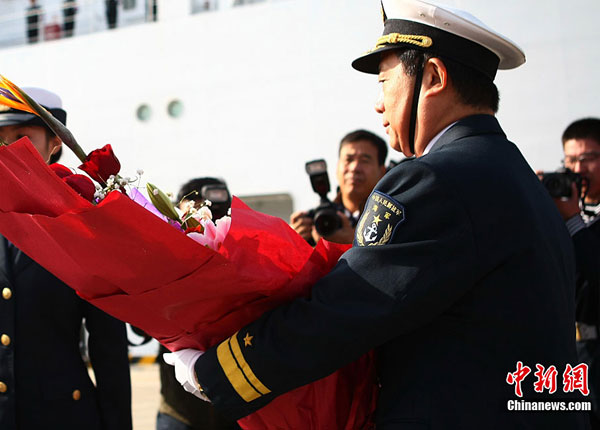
(184, 361)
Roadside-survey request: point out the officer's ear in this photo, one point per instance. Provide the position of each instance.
(435, 78)
(54, 146)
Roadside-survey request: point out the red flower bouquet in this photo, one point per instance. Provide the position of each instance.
(126, 260)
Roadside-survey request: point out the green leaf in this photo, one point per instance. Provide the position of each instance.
(162, 202)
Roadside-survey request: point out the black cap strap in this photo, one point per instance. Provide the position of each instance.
(415, 104)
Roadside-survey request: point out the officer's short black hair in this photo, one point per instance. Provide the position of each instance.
(472, 86)
(586, 128)
(191, 189)
(378, 143)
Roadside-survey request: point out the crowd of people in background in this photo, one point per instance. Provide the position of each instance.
(39, 27)
(53, 29)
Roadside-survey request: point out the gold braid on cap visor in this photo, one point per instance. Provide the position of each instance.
(393, 38)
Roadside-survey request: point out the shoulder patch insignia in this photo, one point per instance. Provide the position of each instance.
(382, 213)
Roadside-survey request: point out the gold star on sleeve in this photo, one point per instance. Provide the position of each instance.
(376, 219)
(248, 340)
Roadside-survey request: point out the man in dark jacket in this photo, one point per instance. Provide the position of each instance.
(34, 18)
(361, 164)
(461, 271)
(44, 382)
(581, 146)
(69, 12)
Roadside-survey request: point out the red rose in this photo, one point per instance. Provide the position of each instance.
(101, 163)
(61, 170)
(82, 185)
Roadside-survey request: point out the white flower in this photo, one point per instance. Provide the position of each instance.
(205, 213)
(213, 236)
(207, 202)
(140, 172)
(222, 226)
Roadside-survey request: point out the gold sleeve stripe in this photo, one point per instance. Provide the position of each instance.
(254, 381)
(232, 371)
(237, 371)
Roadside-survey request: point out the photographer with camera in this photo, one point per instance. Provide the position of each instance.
(361, 164)
(576, 192)
(178, 410)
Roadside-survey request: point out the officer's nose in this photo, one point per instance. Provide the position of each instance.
(379, 108)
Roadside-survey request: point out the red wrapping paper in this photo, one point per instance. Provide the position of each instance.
(138, 268)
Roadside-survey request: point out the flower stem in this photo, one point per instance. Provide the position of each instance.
(55, 125)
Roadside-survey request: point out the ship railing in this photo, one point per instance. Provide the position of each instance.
(90, 17)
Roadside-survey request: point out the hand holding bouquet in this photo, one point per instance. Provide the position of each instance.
(185, 281)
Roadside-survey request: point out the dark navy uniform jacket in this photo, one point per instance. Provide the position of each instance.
(461, 268)
(44, 383)
(587, 252)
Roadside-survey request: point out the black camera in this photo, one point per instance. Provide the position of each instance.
(219, 196)
(559, 183)
(325, 215)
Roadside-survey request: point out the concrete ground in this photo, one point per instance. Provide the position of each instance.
(145, 387)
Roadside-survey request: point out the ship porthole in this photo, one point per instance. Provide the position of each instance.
(175, 108)
(144, 112)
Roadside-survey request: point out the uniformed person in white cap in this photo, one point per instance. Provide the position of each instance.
(44, 382)
(461, 266)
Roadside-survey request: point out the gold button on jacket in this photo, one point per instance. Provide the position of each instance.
(6, 293)
(76, 395)
(3, 387)
(5, 339)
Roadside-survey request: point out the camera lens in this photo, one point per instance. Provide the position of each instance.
(558, 184)
(327, 221)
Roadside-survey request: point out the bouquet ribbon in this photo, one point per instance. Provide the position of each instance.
(128, 262)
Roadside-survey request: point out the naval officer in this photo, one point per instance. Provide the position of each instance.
(44, 381)
(461, 272)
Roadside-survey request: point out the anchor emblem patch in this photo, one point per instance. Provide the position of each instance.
(382, 213)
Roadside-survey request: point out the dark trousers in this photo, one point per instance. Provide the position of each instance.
(588, 352)
(111, 14)
(167, 422)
